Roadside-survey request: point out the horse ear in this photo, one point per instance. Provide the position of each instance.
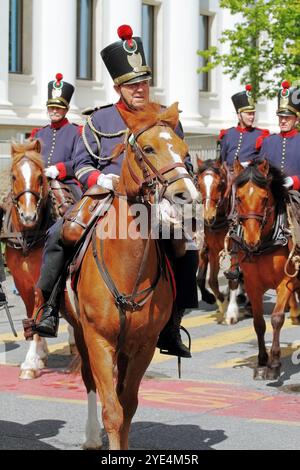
(171, 115)
(264, 167)
(199, 161)
(13, 147)
(37, 146)
(237, 167)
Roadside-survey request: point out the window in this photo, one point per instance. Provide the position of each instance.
(15, 35)
(84, 66)
(148, 29)
(203, 45)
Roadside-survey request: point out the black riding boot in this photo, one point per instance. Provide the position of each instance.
(47, 316)
(169, 340)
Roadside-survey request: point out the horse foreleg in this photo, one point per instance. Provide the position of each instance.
(213, 258)
(207, 296)
(256, 299)
(101, 356)
(35, 360)
(232, 312)
(277, 321)
(128, 392)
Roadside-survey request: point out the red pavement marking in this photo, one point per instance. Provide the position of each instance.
(180, 395)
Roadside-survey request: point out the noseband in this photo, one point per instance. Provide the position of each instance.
(260, 216)
(15, 197)
(152, 176)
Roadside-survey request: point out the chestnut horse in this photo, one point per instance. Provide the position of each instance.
(24, 232)
(124, 291)
(264, 253)
(214, 184)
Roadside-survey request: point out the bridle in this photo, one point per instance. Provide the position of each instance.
(221, 203)
(260, 216)
(15, 197)
(152, 176)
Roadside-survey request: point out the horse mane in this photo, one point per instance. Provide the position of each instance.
(21, 150)
(211, 165)
(152, 114)
(274, 179)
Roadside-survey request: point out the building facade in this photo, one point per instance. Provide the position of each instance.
(42, 37)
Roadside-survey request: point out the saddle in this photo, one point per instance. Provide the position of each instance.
(61, 197)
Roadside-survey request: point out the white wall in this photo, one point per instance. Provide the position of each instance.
(51, 50)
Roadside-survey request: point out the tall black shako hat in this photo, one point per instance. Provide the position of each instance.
(243, 101)
(125, 59)
(59, 92)
(288, 100)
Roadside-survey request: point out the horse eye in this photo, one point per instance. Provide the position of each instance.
(148, 149)
(13, 178)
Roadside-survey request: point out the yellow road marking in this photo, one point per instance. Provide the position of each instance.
(286, 351)
(55, 400)
(275, 421)
(9, 337)
(219, 340)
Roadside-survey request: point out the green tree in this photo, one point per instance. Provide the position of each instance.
(264, 45)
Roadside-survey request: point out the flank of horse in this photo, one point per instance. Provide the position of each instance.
(154, 154)
(215, 188)
(259, 193)
(29, 215)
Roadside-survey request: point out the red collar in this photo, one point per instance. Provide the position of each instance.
(59, 124)
(291, 133)
(121, 105)
(244, 129)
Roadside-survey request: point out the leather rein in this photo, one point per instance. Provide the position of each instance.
(148, 185)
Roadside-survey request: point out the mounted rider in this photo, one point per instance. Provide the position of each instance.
(282, 150)
(242, 143)
(98, 160)
(59, 138)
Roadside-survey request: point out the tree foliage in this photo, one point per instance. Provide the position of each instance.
(264, 45)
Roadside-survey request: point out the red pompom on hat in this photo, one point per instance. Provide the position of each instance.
(248, 87)
(59, 77)
(285, 84)
(125, 33)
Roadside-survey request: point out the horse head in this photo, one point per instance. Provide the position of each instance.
(29, 187)
(259, 187)
(153, 166)
(212, 182)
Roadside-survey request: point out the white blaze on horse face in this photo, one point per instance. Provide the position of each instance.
(165, 135)
(177, 159)
(208, 181)
(27, 173)
(251, 191)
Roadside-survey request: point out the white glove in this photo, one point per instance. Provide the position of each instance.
(245, 164)
(109, 181)
(288, 182)
(51, 172)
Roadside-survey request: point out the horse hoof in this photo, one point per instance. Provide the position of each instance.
(92, 445)
(42, 363)
(29, 374)
(260, 373)
(231, 321)
(273, 373)
(295, 320)
(73, 349)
